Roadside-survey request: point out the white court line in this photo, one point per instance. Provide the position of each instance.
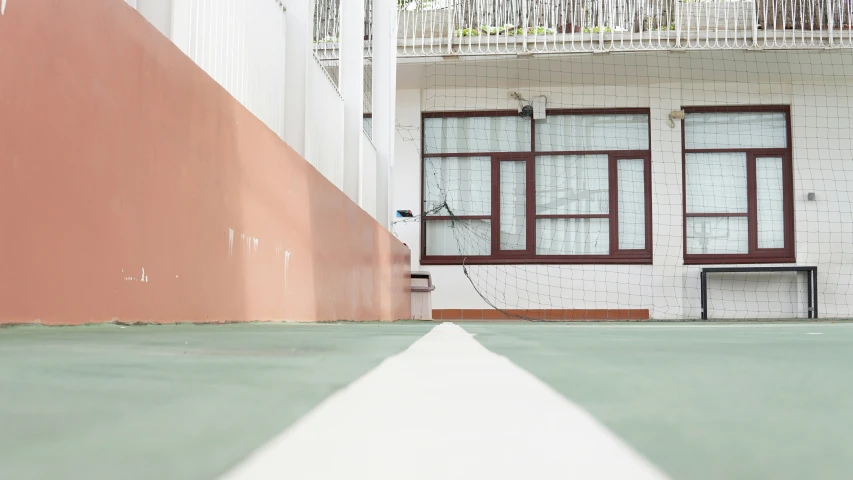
(446, 408)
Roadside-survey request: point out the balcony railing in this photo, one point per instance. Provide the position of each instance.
(327, 30)
(486, 27)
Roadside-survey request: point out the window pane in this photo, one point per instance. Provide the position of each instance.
(592, 132)
(458, 186)
(367, 126)
(632, 204)
(476, 134)
(714, 235)
(771, 214)
(716, 182)
(736, 130)
(572, 236)
(572, 185)
(458, 237)
(513, 205)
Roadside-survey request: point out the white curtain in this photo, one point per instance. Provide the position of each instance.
(736, 130)
(458, 237)
(572, 184)
(771, 214)
(632, 201)
(573, 236)
(476, 134)
(716, 182)
(463, 183)
(513, 206)
(717, 235)
(592, 132)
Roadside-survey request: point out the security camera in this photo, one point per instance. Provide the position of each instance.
(526, 111)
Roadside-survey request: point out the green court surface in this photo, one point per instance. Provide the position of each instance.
(700, 401)
(168, 402)
(704, 401)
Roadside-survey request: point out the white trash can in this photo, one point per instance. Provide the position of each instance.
(422, 288)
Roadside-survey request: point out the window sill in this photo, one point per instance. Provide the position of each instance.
(578, 260)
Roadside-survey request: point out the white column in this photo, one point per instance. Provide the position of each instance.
(352, 90)
(299, 52)
(181, 24)
(158, 13)
(384, 101)
(675, 286)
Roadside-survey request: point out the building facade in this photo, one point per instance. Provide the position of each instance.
(644, 154)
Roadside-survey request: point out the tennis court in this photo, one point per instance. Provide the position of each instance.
(417, 400)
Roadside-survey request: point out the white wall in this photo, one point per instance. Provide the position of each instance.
(299, 57)
(818, 86)
(241, 44)
(383, 98)
(405, 180)
(261, 51)
(351, 53)
(324, 125)
(157, 12)
(368, 176)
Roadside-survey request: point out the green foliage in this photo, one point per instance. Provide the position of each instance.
(467, 32)
(508, 30)
(670, 27)
(405, 4)
(541, 30)
(655, 24)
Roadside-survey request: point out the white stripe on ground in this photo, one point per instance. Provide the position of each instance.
(446, 408)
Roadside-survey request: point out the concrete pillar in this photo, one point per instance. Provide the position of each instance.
(299, 51)
(352, 90)
(158, 13)
(384, 101)
(181, 24)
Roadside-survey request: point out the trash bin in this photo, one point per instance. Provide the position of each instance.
(422, 288)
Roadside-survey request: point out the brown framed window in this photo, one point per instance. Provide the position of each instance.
(738, 185)
(572, 188)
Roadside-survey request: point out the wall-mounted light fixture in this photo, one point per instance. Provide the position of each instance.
(675, 115)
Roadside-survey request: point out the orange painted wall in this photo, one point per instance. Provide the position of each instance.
(118, 153)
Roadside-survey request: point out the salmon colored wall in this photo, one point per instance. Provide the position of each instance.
(118, 154)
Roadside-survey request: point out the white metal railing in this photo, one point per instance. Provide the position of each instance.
(242, 45)
(484, 27)
(327, 33)
(324, 125)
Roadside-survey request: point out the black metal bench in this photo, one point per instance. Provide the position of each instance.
(811, 276)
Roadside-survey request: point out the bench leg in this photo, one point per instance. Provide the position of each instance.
(703, 295)
(809, 293)
(814, 284)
